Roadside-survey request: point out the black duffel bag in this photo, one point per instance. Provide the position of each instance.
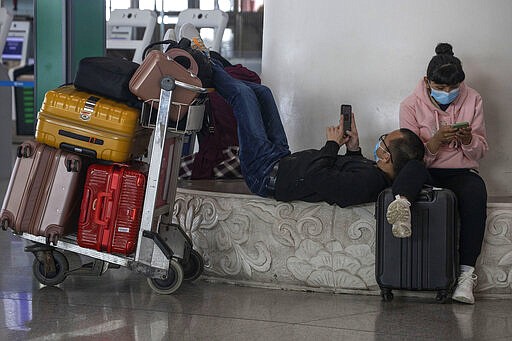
(107, 76)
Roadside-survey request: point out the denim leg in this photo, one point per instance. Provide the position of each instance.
(270, 113)
(258, 153)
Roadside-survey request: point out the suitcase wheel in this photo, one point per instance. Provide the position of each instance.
(442, 296)
(24, 151)
(51, 274)
(5, 224)
(73, 166)
(52, 238)
(171, 283)
(386, 294)
(194, 267)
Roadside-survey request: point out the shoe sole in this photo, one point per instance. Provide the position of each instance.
(399, 231)
(397, 214)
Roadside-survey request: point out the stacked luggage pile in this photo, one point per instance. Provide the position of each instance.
(82, 183)
(75, 129)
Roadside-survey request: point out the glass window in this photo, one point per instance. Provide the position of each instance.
(250, 5)
(147, 4)
(169, 6)
(226, 5)
(207, 4)
(115, 4)
(242, 39)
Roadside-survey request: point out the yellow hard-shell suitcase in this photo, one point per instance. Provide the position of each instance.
(91, 125)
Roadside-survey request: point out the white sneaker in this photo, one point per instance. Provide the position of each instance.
(399, 215)
(190, 32)
(465, 285)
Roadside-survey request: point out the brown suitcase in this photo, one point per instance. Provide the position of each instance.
(145, 82)
(43, 196)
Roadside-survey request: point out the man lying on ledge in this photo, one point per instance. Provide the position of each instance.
(270, 170)
(324, 175)
(311, 175)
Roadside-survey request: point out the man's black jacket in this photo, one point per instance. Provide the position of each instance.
(323, 175)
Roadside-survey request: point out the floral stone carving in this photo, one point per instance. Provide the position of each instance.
(494, 266)
(248, 238)
(257, 241)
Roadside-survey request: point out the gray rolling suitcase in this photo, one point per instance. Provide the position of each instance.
(428, 259)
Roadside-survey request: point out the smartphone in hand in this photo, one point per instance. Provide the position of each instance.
(346, 114)
(460, 125)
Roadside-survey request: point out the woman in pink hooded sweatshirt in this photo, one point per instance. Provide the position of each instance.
(440, 101)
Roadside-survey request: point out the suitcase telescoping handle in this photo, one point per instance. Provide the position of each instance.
(102, 209)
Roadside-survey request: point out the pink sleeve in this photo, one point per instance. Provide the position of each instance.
(408, 120)
(478, 146)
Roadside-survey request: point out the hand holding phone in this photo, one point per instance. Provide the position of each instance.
(463, 132)
(460, 125)
(346, 114)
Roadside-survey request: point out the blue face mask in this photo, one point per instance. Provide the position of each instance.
(375, 156)
(443, 97)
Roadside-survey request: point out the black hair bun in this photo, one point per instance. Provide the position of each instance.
(444, 48)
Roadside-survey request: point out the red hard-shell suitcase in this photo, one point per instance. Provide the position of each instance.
(111, 208)
(428, 259)
(43, 192)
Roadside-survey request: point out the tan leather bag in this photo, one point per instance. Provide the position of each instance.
(145, 82)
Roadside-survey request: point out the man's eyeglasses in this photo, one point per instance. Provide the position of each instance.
(381, 139)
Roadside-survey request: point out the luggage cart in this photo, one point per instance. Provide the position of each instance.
(164, 251)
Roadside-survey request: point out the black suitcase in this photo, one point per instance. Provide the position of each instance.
(428, 260)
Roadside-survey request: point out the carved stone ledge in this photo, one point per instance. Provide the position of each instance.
(256, 241)
(494, 266)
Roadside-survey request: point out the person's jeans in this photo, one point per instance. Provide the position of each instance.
(261, 134)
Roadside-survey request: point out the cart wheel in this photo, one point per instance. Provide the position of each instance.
(173, 281)
(386, 294)
(51, 278)
(194, 267)
(442, 296)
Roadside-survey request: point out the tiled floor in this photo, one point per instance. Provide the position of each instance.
(121, 306)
